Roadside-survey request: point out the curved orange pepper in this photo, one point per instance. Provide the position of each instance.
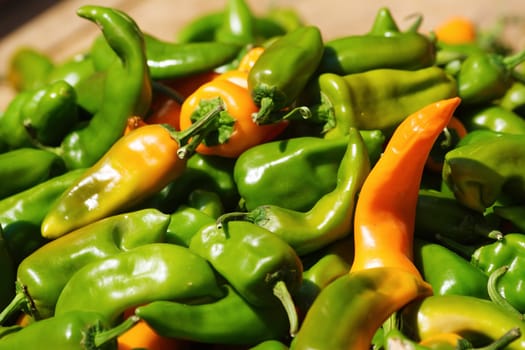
(239, 104)
(386, 206)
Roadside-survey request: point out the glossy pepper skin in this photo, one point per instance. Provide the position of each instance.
(481, 172)
(185, 222)
(23, 168)
(507, 252)
(43, 116)
(447, 272)
(331, 218)
(73, 70)
(127, 89)
(42, 275)
(474, 318)
(117, 283)
(282, 71)
(169, 60)
(266, 273)
(384, 218)
(348, 311)
(373, 50)
(380, 99)
(71, 331)
(238, 24)
(514, 98)
(256, 170)
(137, 166)
(493, 117)
(229, 320)
(22, 214)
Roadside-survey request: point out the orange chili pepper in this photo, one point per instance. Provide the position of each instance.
(238, 104)
(456, 30)
(236, 76)
(386, 206)
(248, 60)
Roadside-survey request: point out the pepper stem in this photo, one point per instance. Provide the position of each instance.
(15, 305)
(494, 294)
(281, 292)
(191, 137)
(103, 337)
(236, 215)
(266, 107)
(511, 62)
(504, 341)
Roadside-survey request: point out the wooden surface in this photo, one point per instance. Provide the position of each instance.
(60, 33)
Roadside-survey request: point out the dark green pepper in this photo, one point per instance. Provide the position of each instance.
(493, 117)
(185, 222)
(482, 172)
(507, 251)
(207, 202)
(127, 89)
(514, 214)
(485, 77)
(378, 99)
(71, 331)
(295, 173)
(7, 274)
(448, 272)
(42, 275)
(23, 168)
(438, 214)
(262, 267)
(21, 214)
(168, 60)
(117, 283)
(331, 218)
(283, 70)
(230, 320)
(43, 116)
(28, 68)
(385, 46)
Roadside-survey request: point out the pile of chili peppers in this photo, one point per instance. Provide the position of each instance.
(251, 185)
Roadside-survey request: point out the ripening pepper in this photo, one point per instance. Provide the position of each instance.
(378, 99)
(489, 167)
(42, 275)
(114, 284)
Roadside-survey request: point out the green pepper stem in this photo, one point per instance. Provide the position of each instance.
(236, 215)
(300, 113)
(511, 62)
(494, 294)
(15, 305)
(414, 27)
(103, 337)
(280, 290)
(197, 131)
(265, 109)
(503, 341)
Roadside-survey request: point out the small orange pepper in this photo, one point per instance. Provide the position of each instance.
(386, 207)
(456, 30)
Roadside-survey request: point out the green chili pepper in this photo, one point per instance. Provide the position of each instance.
(482, 172)
(507, 251)
(282, 71)
(23, 168)
(493, 117)
(28, 68)
(478, 320)
(484, 77)
(438, 214)
(207, 202)
(117, 283)
(71, 331)
(21, 214)
(74, 70)
(42, 275)
(385, 46)
(185, 222)
(380, 98)
(238, 24)
(448, 272)
(44, 115)
(447, 53)
(331, 218)
(7, 274)
(295, 173)
(90, 93)
(168, 60)
(514, 98)
(230, 320)
(127, 89)
(270, 345)
(262, 267)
